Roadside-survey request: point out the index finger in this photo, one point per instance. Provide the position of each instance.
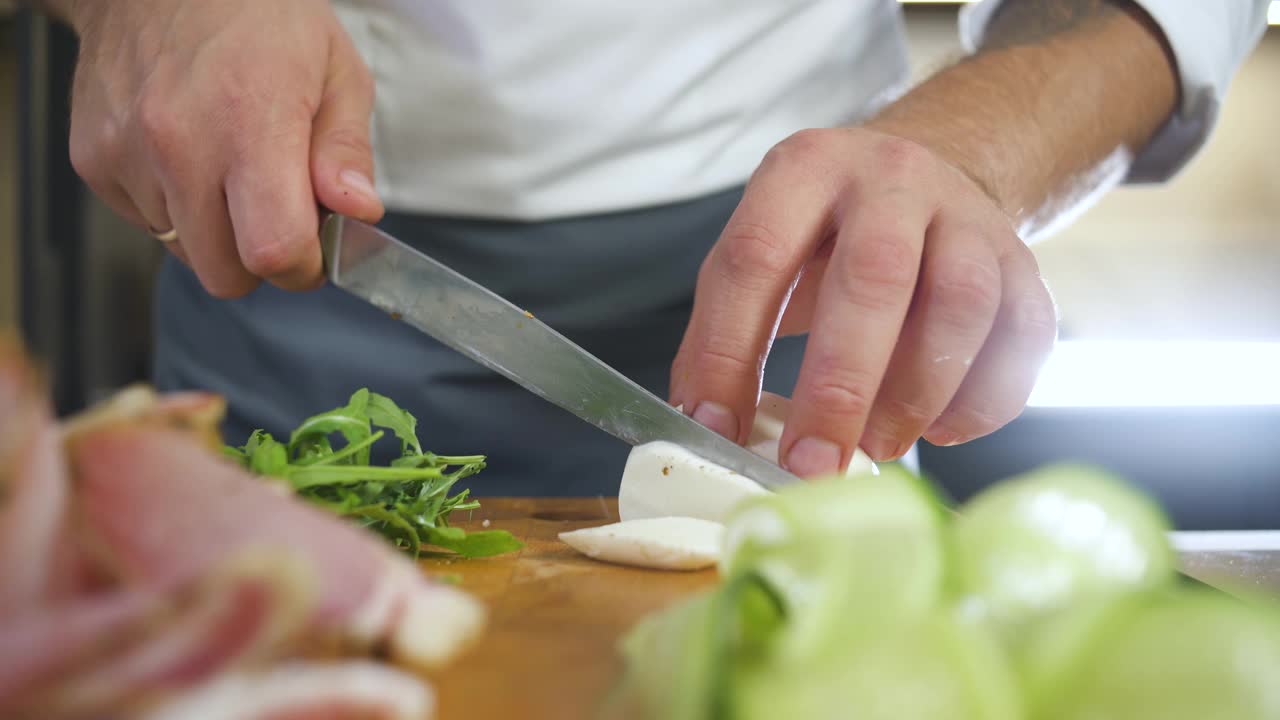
(862, 305)
(273, 209)
(743, 287)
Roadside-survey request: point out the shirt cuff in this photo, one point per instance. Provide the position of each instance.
(1209, 41)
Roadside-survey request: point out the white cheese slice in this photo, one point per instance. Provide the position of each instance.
(662, 479)
(673, 502)
(664, 543)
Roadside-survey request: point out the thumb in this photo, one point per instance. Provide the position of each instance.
(341, 154)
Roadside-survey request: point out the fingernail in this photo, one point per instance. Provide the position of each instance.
(717, 417)
(881, 448)
(812, 456)
(943, 437)
(359, 182)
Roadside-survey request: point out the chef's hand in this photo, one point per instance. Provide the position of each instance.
(926, 312)
(893, 244)
(225, 123)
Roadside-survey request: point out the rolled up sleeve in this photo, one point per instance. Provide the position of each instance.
(1210, 40)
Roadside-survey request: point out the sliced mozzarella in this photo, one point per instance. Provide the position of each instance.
(665, 543)
(662, 479)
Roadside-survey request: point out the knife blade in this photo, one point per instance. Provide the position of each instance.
(458, 312)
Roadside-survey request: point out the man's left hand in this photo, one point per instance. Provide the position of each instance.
(925, 311)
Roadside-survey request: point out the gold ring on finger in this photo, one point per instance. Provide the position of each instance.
(167, 236)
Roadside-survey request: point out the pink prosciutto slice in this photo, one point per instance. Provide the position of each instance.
(306, 691)
(161, 508)
(37, 559)
(40, 643)
(103, 653)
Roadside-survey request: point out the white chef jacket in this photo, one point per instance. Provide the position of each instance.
(510, 109)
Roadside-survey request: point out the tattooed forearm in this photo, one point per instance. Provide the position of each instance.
(1029, 22)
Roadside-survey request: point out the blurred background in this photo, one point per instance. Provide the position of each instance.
(1169, 295)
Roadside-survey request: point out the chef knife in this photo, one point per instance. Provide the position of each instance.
(465, 316)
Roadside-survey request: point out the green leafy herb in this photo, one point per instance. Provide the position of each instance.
(407, 501)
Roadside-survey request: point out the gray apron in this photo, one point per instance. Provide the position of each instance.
(620, 285)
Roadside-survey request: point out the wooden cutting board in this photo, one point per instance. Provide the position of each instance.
(555, 616)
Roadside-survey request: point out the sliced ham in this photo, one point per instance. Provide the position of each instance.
(306, 691)
(42, 642)
(200, 507)
(108, 652)
(142, 575)
(37, 559)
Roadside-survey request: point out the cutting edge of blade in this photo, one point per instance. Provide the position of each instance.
(715, 448)
(694, 436)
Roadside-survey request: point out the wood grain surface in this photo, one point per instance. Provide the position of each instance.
(555, 616)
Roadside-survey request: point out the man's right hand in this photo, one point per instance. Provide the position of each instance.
(225, 122)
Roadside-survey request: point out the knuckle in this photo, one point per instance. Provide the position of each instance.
(85, 158)
(967, 288)
(155, 115)
(750, 251)
(973, 422)
(93, 141)
(161, 128)
(798, 150)
(809, 141)
(899, 157)
(712, 362)
(349, 140)
(840, 399)
(902, 414)
(842, 394)
(878, 271)
(269, 258)
(1033, 320)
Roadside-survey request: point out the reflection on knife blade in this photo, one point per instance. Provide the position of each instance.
(474, 321)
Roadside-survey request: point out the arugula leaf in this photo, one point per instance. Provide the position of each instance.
(392, 523)
(485, 543)
(383, 412)
(269, 457)
(311, 438)
(407, 501)
(316, 475)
